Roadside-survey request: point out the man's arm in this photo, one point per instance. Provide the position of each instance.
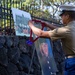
(46, 24)
(38, 31)
(51, 26)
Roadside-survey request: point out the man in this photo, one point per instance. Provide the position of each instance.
(65, 33)
(46, 60)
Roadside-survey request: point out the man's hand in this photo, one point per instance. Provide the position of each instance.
(30, 23)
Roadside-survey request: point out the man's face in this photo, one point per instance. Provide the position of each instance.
(45, 48)
(65, 19)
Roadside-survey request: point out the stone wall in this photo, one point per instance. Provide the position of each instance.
(18, 58)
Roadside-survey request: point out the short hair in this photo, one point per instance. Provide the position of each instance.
(70, 13)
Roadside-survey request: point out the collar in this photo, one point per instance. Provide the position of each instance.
(70, 23)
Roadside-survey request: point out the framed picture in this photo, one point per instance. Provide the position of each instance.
(21, 19)
(45, 55)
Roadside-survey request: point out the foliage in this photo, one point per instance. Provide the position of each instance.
(39, 8)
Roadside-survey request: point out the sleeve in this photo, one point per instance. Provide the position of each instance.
(58, 33)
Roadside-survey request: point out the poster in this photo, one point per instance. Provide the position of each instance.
(21, 19)
(45, 55)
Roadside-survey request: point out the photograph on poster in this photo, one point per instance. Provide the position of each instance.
(45, 55)
(21, 19)
(46, 58)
